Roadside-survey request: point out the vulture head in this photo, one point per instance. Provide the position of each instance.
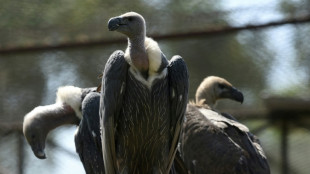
(41, 120)
(35, 132)
(214, 88)
(131, 24)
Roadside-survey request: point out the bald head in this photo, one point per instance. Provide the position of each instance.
(34, 132)
(131, 24)
(41, 120)
(214, 88)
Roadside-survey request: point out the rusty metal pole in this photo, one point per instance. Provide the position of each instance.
(20, 153)
(284, 146)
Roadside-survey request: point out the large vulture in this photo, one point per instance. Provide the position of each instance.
(142, 106)
(215, 143)
(143, 102)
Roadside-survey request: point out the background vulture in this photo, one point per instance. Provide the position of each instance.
(214, 143)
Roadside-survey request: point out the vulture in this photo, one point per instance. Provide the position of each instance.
(217, 143)
(75, 106)
(142, 104)
(42, 119)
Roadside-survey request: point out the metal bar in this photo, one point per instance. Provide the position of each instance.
(261, 128)
(248, 114)
(284, 147)
(181, 35)
(20, 153)
(4, 170)
(276, 162)
(9, 127)
(302, 125)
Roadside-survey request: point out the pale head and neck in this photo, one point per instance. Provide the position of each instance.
(214, 88)
(41, 120)
(133, 26)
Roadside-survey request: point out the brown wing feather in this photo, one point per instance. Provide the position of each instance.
(178, 83)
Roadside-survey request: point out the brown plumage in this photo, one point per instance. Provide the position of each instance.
(217, 144)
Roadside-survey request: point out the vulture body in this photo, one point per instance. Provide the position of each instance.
(143, 101)
(142, 105)
(215, 143)
(87, 137)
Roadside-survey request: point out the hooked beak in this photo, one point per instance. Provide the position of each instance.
(38, 152)
(114, 23)
(237, 95)
(233, 94)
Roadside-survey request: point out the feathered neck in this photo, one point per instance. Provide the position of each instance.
(137, 55)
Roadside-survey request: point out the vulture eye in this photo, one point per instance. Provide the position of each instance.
(130, 19)
(221, 86)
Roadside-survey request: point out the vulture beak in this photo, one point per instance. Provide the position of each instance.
(236, 95)
(39, 154)
(38, 151)
(233, 94)
(114, 23)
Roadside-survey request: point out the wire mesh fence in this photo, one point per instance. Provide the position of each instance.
(261, 47)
